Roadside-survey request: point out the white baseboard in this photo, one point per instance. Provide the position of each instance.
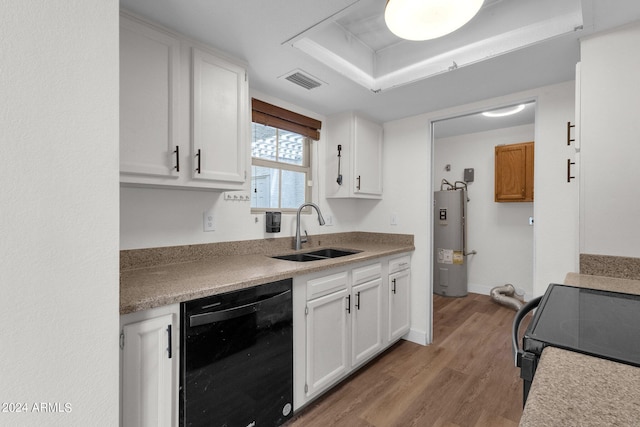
(418, 337)
(479, 289)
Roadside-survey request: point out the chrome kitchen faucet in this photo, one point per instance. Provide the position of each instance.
(299, 239)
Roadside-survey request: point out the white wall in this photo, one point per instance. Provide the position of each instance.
(59, 211)
(499, 232)
(610, 143)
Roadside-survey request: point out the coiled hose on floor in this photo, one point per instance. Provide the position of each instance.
(505, 295)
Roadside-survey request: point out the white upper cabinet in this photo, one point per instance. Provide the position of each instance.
(184, 111)
(367, 157)
(358, 142)
(149, 82)
(219, 118)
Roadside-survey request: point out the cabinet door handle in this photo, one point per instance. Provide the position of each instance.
(169, 353)
(348, 303)
(569, 126)
(358, 186)
(569, 163)
(177, 153)
(198, 156)
(358, 300)
(394, 286)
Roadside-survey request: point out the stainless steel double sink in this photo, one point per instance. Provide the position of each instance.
(317, 255)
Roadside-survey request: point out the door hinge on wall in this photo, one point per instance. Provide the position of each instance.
(306, 311)
(121, 340)
(306, 388)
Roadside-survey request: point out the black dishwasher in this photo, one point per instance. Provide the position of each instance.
(236, 367)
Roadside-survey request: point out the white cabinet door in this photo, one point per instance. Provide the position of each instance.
(366, 320)
(219, 120)
(367, 157)
(149, 80)
(327, 340)
(149, 366)
(399, 304)
(360, 161)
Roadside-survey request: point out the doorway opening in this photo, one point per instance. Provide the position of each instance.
(499, 245)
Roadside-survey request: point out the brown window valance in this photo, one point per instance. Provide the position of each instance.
(271, 115)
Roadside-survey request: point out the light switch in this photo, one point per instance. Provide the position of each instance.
(394, 219)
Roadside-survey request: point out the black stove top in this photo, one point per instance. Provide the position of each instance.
(599, 323)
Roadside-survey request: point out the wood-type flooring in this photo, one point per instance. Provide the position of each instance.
(466, 377)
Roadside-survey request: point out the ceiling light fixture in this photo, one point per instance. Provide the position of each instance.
(428, 19)
(501, 112)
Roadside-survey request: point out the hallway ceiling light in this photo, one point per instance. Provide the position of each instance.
(502, 112)
(428, 19)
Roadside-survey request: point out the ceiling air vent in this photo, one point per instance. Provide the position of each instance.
(302, 79)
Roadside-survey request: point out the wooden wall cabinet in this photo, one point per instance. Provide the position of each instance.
(514, 172)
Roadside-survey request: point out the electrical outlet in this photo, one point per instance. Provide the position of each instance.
(237, 196)
(328, 220)
(208, 223)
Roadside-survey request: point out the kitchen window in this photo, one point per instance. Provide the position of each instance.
(280, 157)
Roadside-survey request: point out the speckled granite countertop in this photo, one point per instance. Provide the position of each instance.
(156, 277)
(573, 389)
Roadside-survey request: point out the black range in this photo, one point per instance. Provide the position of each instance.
(595, 322)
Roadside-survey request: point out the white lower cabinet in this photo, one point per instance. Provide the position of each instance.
(149, 367)
(350, 315)
(327, 359)
(366, 313)
(399, 302)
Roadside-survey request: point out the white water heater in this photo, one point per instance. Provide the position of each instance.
(449, 243)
